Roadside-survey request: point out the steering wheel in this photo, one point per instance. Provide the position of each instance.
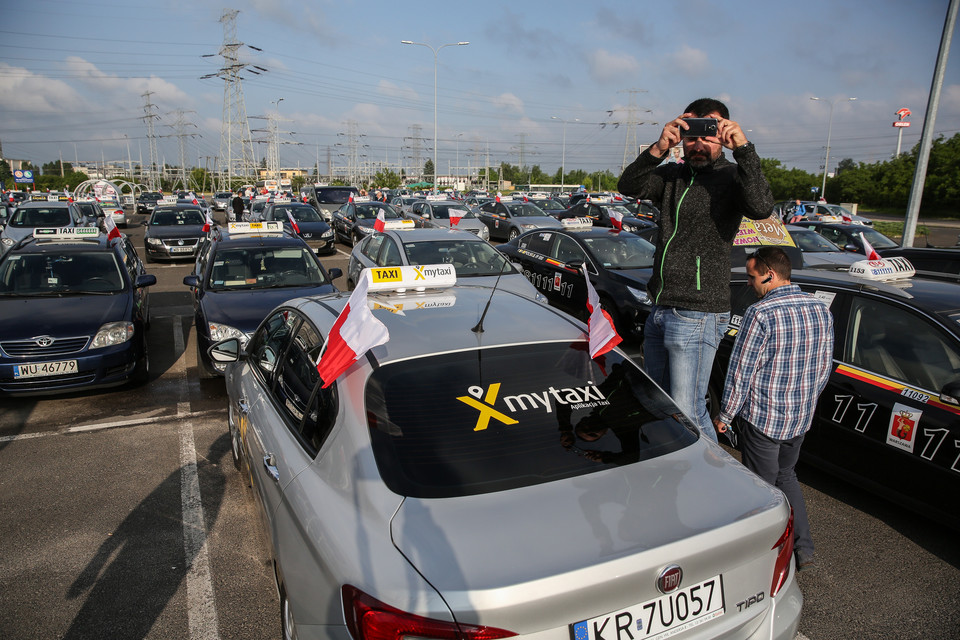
(469, 266)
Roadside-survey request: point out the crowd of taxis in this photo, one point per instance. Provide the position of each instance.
(382, 509)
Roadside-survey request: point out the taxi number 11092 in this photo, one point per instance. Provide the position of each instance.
(661, 617)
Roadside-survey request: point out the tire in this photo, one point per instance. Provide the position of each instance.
(286, 616)
(141, 371)
(512, 235)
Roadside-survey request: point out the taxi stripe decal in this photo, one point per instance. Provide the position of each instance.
(891, 385)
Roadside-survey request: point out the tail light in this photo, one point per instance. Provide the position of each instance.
(369, 619)
(784, 547)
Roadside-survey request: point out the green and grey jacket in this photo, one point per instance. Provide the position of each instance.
(700, 213)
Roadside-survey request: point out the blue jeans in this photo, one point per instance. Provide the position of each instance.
(678, 350)
(775, 461)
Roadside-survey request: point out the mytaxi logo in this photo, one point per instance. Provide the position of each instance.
(486, 410)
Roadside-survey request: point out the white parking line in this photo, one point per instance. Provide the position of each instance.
(201, 605)
(100, 426)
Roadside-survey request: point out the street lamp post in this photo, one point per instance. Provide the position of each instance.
(275, 159)
(436, 51)
(563, 151)
(826, 162)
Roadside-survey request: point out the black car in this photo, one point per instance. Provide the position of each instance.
(355, 220)
(931, 262)
(889, 418)
(599, 214)
(313, 229)
(242, 273)
(174, 231)
(73, 311)
(849, 237)
(551, 205)
(619, 263)
(147, 201)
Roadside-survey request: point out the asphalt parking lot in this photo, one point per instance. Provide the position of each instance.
(123, 517)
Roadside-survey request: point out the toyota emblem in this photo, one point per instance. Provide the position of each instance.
(44, 341)
(669, 579)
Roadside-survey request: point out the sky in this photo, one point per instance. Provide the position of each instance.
(558, 82)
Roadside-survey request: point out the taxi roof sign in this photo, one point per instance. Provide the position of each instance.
(416, 277)
(66, 233)
(577, 224)
(254, 228)
(399, 225)
(896, 268)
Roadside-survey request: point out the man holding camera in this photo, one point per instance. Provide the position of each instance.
(702, 201)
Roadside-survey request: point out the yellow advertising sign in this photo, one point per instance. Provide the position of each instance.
(755, 233)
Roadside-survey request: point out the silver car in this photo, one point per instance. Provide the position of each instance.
(478, 476)
(438, 213)
(476, 261)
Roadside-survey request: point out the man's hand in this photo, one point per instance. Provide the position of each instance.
(730, 134)
(670, 137)
(720, 425)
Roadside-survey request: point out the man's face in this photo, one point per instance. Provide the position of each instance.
(701, 152)
(757, 272)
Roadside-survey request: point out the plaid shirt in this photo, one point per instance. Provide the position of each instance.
(780, 363)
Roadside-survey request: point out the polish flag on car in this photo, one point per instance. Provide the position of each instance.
(455, 215)
(616, 219)
(112, 232)
(868, 249)
(381, 222)
(498, 196)
(603, 335)
(355, 332)
(293, 223)
(208, 223)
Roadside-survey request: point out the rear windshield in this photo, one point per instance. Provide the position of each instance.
(334, 196)
(496, 419)
(41, 217)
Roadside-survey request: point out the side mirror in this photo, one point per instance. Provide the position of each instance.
(575, 264)
(192, 280)
(852, 248)
(335, 272)
(146, 280)
(950, 394)
(225, 351)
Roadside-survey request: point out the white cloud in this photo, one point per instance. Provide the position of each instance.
(23, 90)
(391, 90)
(508, 102)
(88, 74)
(605, 66)
(689, 61)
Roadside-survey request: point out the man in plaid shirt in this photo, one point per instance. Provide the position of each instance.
(779, 366)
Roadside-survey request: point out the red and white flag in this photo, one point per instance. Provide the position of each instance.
(455, 215)
(208, 223)
(498, 196)
(616, 219)
(603, 335)
(355, 332)
(868, 249)
(293, 223)
(350, 198)
(112, 232)
(381, 222)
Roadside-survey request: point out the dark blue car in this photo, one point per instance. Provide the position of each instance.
(73, 311)
(242, 273)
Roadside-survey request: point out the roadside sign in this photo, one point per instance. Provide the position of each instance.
(22, 176)
(901, 123)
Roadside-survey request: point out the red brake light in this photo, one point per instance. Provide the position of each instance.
(784, 547)
(369, 619)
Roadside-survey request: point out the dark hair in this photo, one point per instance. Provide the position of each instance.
(775, 259)
(704, 106)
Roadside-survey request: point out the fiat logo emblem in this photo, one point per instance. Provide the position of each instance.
(44, 341)
(669, 578)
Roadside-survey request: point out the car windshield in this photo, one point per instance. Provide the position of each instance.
(372, 210)
(300, 214)
(442, 211)
(468, 257)
(503, 418)
(264, 267)
(151, 197)
(812, 242)
(549, 204)
(224, 194)
(877, 239)
(88, 209)
(527, 210)
(334, 196)
(40, 217)
(181, 217)
(37, 274)
(621, 251)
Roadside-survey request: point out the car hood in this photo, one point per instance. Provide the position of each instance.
(316, 228)
(539, 221)
(514, 282)
(246, 308)
(175, 231)
(60, 316)
(637, 278)
(522, 551)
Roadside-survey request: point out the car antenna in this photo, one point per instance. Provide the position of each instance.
(479, 327)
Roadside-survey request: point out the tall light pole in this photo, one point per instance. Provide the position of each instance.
(563, 151)
(436, 51)
(459, 135)
(275, 156)
(826, 162)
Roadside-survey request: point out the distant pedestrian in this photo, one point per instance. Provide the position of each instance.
(780, 364)
(237, 205)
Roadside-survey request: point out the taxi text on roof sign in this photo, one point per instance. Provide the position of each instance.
(577, 224)
(401, 278)
(239, 228)
(887, 269)
(66, 233)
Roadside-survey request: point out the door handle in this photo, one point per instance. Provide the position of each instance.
(270, 464)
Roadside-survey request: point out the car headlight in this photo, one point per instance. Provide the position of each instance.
(485, 233)
(364, 230)
(327, 234)
(528, 226)
(220, 332)
(541, 298)
(155, 242)
(641, 296)
(7, 242)
(629, 228)
(112, 333)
